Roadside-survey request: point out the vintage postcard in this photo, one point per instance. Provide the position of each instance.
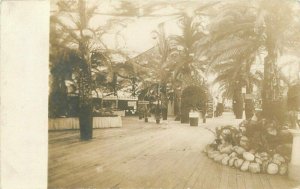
(150, 94)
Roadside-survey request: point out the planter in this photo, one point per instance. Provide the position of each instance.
(146, 119)
(73, 123)
(86, 127)
(141, 117)
(235, 147)
(194, 118)
(157, 121)
(184, 116)
(203, 117)
(294, 166)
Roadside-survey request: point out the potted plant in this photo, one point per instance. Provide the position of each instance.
(140, 113)
(146, 113)
(193, 117)
(157, 114)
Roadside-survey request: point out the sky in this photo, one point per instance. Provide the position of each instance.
(137, 36)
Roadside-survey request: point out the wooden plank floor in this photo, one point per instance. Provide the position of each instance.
(146, 155)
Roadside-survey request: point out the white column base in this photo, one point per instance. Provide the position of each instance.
(294, 171)
(294, 166)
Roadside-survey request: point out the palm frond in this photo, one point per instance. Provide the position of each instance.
(66, 28)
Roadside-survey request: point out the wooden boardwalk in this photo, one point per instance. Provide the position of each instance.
(148, 155)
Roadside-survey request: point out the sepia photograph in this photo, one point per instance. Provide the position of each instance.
(174, 94)
(159, 94)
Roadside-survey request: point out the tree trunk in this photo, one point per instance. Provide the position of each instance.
(177, 106)
(271, 89)
(184, 111)
(133, 87)
(85, 103)
(237, 105)
(114, 84)
(249, 104)
(164, 102)
(85, 80)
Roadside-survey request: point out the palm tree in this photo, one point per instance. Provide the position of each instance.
(76, 36)
(162, 71)
(244, 29)
(232, 76)
(184, 62)
(189, 69)
(176, 64)
(279, 24)
(158, 71)
(185, 45)
(71, 21)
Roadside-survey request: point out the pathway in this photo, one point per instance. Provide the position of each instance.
(147, 155)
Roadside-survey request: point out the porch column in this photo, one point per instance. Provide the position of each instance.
(294, 166)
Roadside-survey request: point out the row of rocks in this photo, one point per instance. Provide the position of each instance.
(254, 162)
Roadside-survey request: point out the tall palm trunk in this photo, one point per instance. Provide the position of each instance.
(85, 92)
(249, 104)
(238, 103)
(133, 86)
(85, 104)
(271, 90)
(114, 83)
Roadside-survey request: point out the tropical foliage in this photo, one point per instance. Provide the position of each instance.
(71, 30)
(243, 31)
(237, 35)
(193, 98)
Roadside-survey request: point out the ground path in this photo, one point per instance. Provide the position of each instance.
(147, 155)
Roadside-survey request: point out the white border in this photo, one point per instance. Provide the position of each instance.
(24, 94)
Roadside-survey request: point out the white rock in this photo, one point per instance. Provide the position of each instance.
(283, 169)
(238, 163)
(225, 160)
(254, 168)
(258, 160)
(240, 150)
(272, 168)
(245, 166)
(233, 154)
(248, 156)
(279, 158)
(231, 161)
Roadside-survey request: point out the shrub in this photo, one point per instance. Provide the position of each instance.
(192, 98)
